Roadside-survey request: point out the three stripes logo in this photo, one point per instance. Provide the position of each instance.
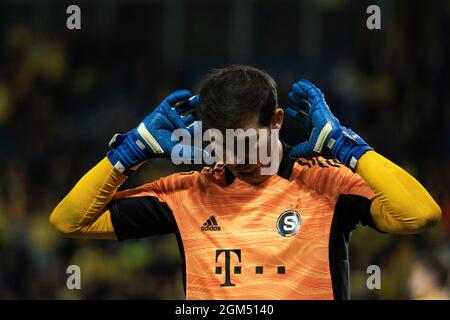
(211, 225)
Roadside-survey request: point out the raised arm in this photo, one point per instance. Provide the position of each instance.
(84, 213)
(402, 205)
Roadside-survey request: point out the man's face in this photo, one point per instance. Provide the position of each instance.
(254, 154)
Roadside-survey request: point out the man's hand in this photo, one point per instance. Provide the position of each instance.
(152, 137)
(327, 137)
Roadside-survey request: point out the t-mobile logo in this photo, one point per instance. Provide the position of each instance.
(237, 269)
(281, 270)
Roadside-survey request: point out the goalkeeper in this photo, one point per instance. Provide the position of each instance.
(242, 234)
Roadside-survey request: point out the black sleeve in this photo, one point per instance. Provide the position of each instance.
(352, 210)
(140, 217)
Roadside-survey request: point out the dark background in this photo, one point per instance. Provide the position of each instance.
(64, 93)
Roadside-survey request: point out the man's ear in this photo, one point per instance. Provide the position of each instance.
(277, 119)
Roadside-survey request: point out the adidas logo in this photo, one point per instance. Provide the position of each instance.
(211, 225)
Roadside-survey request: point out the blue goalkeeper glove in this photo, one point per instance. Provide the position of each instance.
(152, 137)
(327, 137)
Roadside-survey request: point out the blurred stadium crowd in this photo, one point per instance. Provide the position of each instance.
(63, 94)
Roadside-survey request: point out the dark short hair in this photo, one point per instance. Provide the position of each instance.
(230, 97)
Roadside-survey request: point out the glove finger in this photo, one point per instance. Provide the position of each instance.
(308, 91)
(299, 116)
(309, 88)
(294, 97)
(299, 102)
(188, 118)
(172, 116)
(299, 90)
(305, 149)
(292, 113)
(193, 101)
(178, 96)
(194, 127)
(187, 106)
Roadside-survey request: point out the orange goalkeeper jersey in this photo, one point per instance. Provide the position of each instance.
(283, 239)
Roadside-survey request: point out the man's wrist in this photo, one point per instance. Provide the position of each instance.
(116, 162)
(128, 151)
(348, 147)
